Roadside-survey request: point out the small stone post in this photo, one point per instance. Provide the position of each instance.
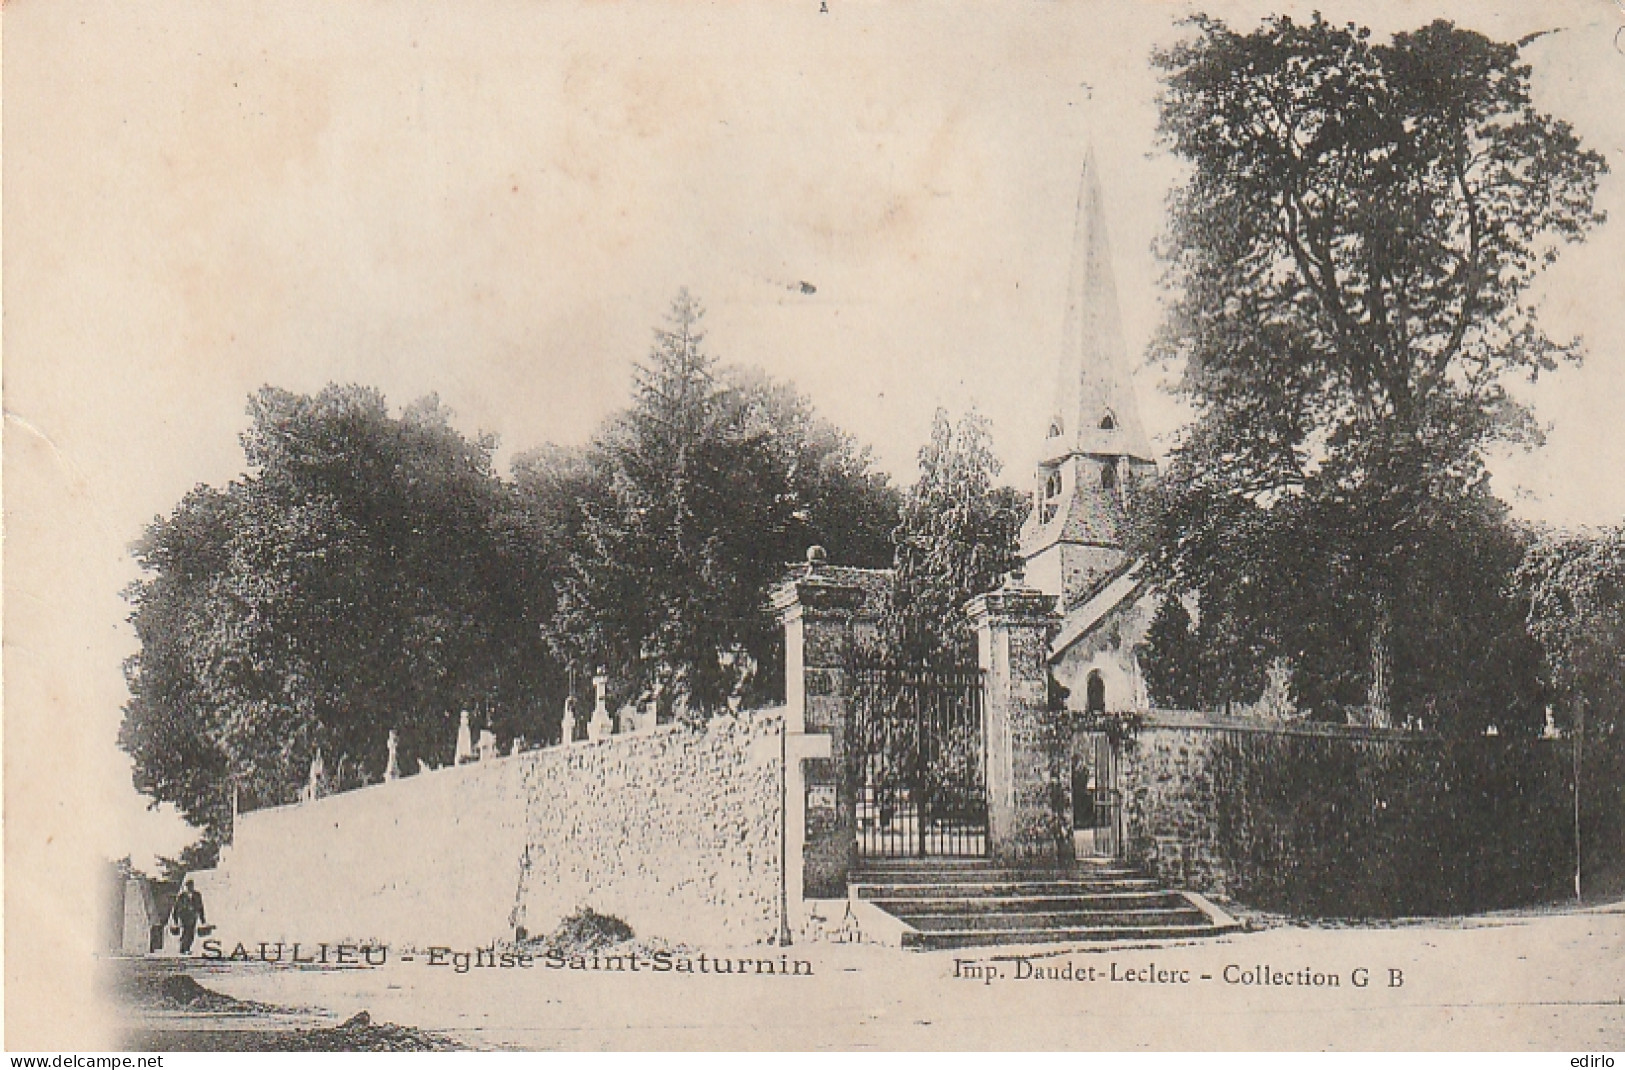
(316, 786)
(821, 844)
(392, 768)
(464, 751)
(601, 725)
(570, 726)
(1029, 784)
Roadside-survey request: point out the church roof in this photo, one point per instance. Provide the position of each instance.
(1095, 406)
(1121, 590)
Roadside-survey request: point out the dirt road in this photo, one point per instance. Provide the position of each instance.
(1534, 982)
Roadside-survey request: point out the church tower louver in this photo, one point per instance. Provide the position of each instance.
(1096, 450)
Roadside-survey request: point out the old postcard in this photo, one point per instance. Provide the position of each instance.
(820, 525)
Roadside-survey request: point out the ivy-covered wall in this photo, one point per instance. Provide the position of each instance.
(1344, 823)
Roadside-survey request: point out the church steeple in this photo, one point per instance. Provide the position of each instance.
(1095, 411)
(1096, 448)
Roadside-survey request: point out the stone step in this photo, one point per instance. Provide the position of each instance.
(935, 864)
(1054, 919)
(967, 889)
(987, 937)
(938, 903)
(1029, 904)
(910, 868)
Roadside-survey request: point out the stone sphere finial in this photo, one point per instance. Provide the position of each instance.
(817, 558)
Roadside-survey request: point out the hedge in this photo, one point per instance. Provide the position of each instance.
(1331, 827)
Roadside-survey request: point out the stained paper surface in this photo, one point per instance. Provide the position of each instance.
(495, 202)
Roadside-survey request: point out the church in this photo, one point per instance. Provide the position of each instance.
(1095, 456)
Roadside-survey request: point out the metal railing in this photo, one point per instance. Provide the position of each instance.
(918, 761)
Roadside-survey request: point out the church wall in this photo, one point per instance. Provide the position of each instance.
(675, 830)
(1071, 571)
(1109, 649)
(1044, 570)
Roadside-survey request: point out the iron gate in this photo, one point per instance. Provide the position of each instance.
(1097, 804)
(918, 761)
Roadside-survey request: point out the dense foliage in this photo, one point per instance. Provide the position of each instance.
(1334, 828)
(956, 539)
(713, 483)
(1576, 588)
(371, 573)
(1350, 257)
(1281, 588)
(362, 577)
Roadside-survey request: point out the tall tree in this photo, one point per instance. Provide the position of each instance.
(713, 481)
(371, 573)
(555, 488)
(838, 499)
(956, 539)
(650, 585)
(363, 576)
(1351, 258)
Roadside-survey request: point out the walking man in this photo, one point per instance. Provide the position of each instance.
(188, 915)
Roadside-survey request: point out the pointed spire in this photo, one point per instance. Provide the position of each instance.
(1095, 407)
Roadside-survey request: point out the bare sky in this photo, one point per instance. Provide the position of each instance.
(496, 202)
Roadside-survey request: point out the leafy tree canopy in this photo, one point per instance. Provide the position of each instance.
(364, 576)
(1576, 588)
(956, 539)
(370, 572)
(713, 481)
(1350, 258)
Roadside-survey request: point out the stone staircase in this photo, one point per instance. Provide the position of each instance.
(940, 903)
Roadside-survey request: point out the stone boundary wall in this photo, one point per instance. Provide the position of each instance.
(1218, 722)
(427, 859)
(1170, 808)
(679, 833)
(1327, 820)
(676, 830)
(1171, 819)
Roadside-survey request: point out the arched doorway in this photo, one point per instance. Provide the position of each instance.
(1095, 693)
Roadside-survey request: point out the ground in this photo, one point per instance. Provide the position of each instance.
(1540, 980)
(164, 1008)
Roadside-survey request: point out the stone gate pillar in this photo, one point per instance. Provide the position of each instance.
(818, 612)
(1029, 783)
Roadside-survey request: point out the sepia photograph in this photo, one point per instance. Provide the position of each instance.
(829, 525)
